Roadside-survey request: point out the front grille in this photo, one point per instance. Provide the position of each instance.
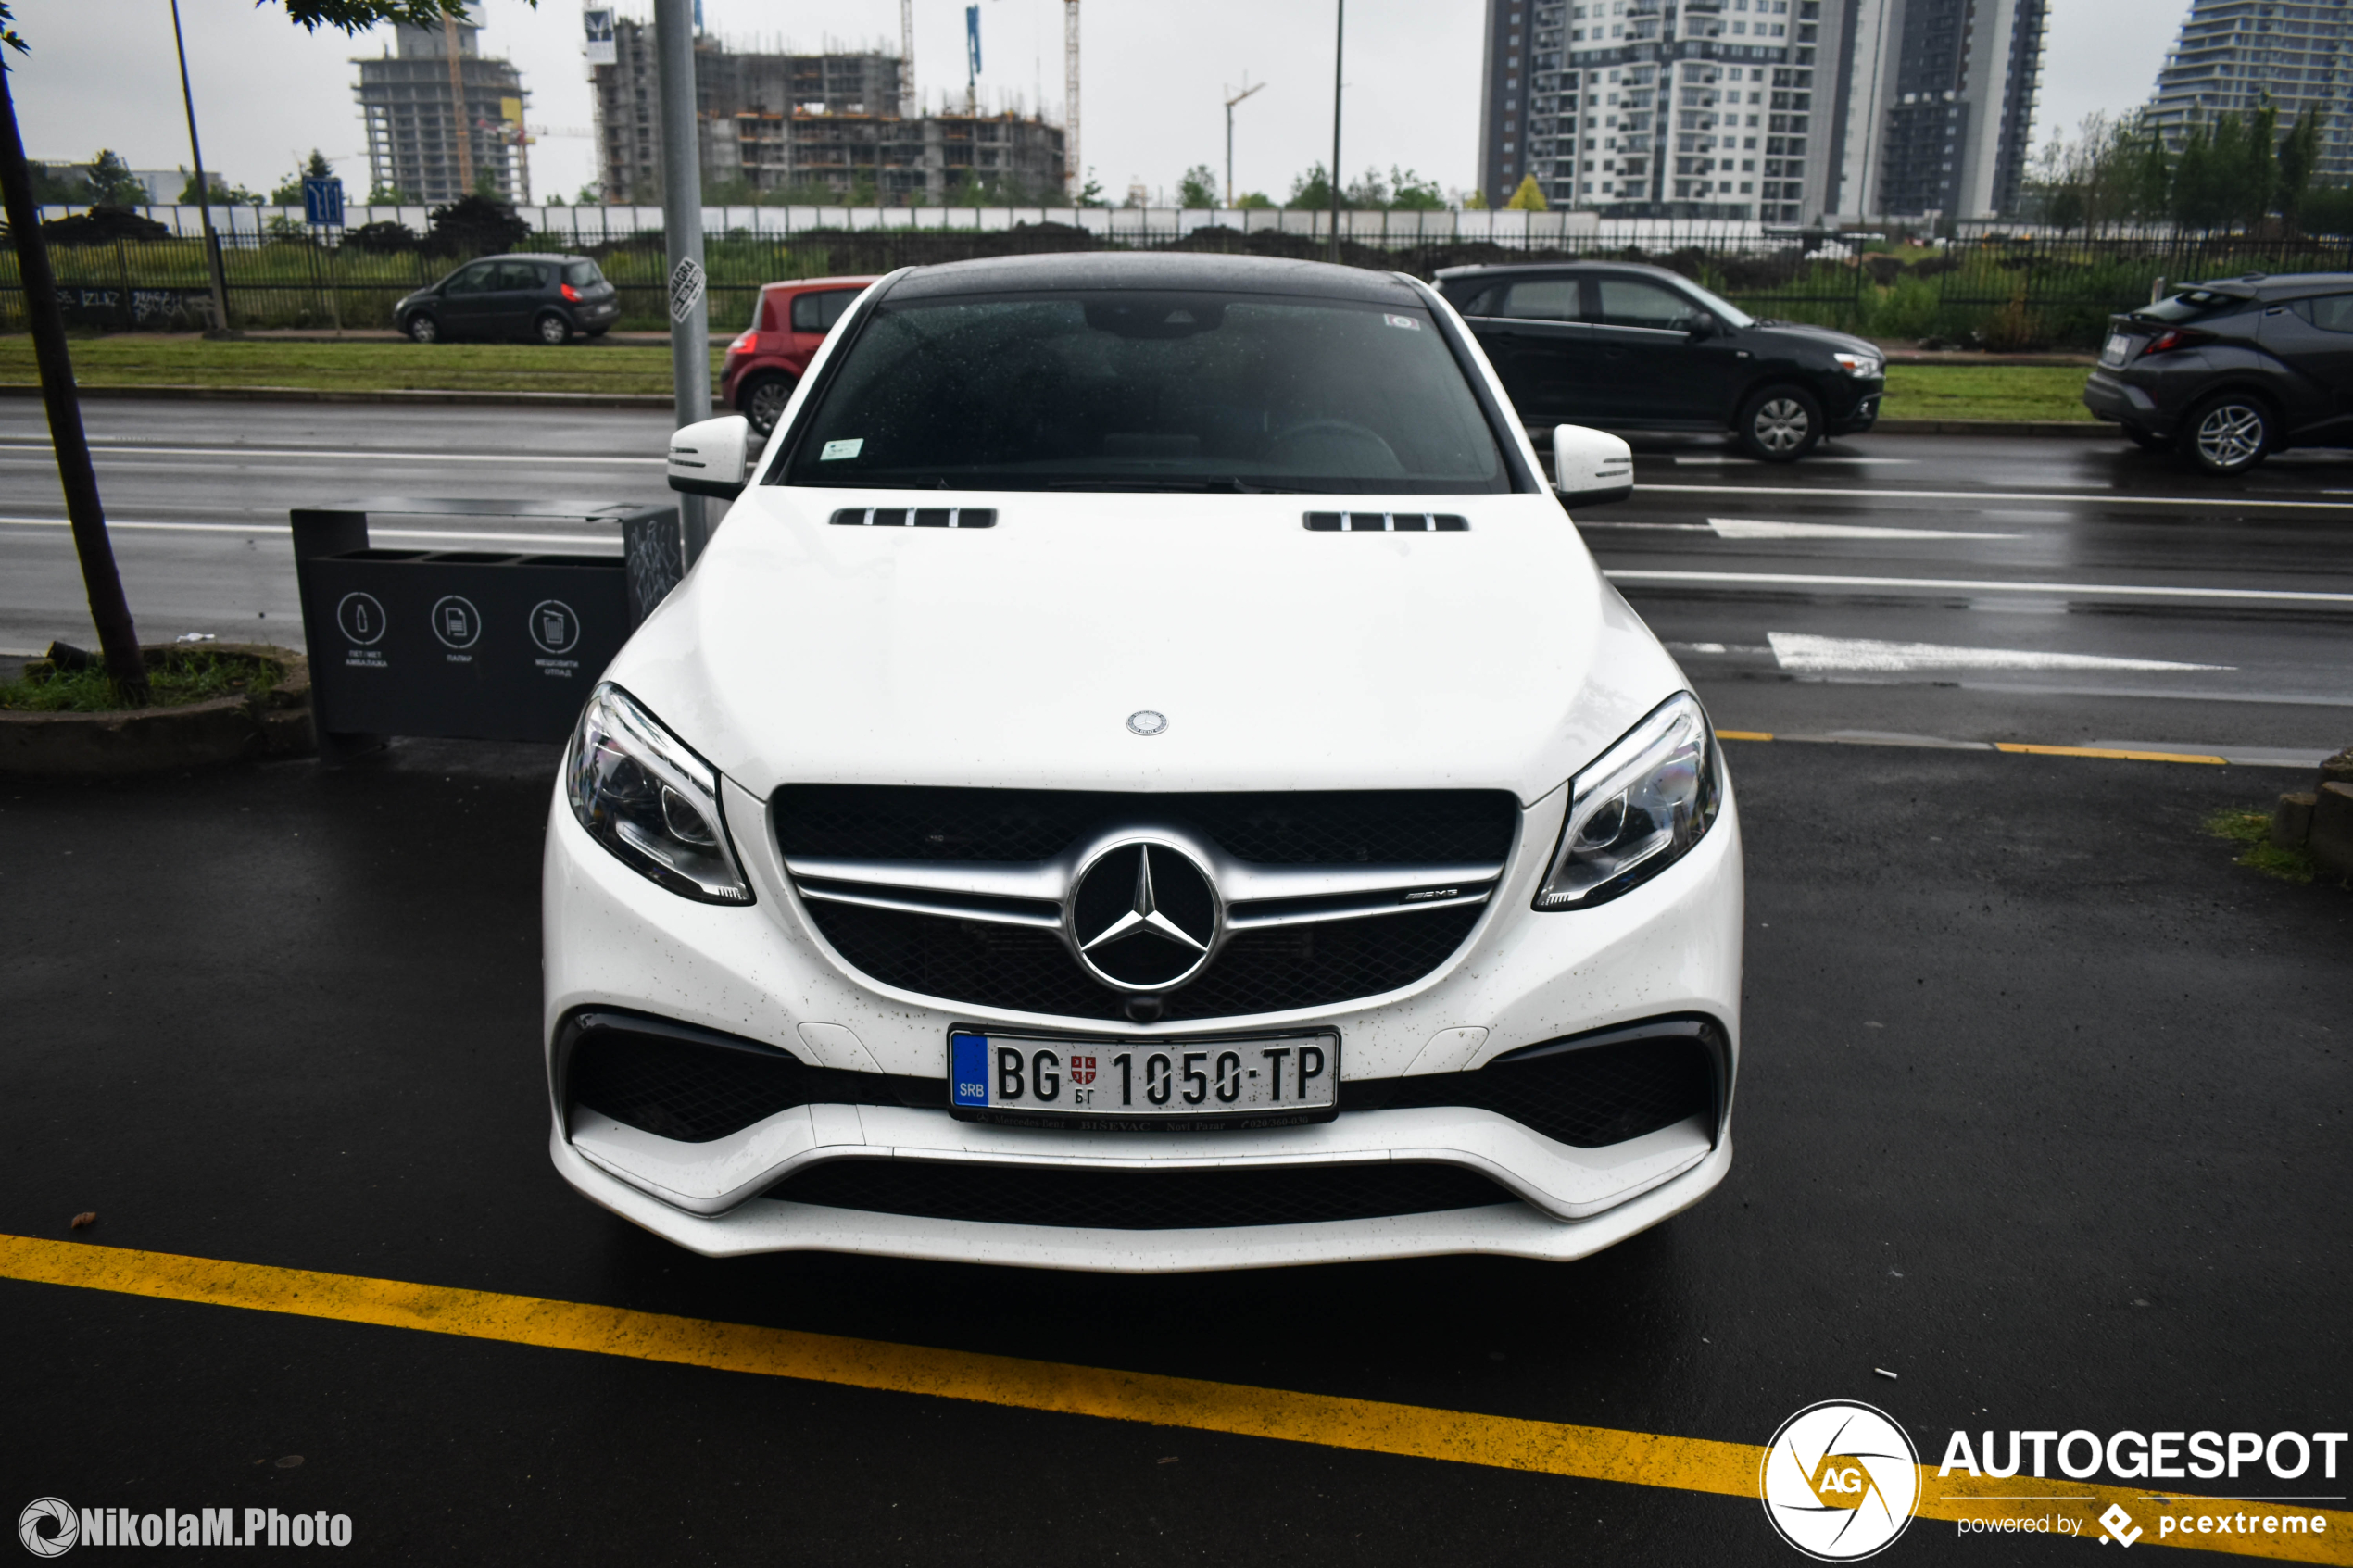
(1307, 827)
(1589, 1097)
(1141, 1200)
(1006, 964)
(1029, 970)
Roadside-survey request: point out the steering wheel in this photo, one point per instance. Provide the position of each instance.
(1341, 430)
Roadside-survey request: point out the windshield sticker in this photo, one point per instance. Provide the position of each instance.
(1406, 321)
(835, 450)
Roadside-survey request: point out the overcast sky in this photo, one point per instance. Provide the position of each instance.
(102, 74)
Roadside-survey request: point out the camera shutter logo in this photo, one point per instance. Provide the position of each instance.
(1840, 1481)
(57, 1540)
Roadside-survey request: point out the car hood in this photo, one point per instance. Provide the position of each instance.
(796, 651)
(1829, 338)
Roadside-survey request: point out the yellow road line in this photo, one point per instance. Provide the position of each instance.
(2123, 756)
(1743, 735)
(1597, 1453)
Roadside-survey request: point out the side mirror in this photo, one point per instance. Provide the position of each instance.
(1704, 324)
(712, 457)
(1591, 466)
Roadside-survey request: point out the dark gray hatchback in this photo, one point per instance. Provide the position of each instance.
(1627, 348)
(2227, 372)
(546, 298)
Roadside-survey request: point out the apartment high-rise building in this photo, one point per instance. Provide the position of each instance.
(773, 122)
(2232, 55)
(406, 99)
(1780, 111)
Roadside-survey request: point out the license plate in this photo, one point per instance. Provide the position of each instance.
(1257, 1081)
(2119, 349)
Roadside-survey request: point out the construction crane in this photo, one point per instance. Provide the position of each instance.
(1246, 92)
(1075, 170)
(910, 106)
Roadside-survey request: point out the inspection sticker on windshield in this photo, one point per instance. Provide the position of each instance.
(1406, 321)
(1257, 1081)
(838, 450)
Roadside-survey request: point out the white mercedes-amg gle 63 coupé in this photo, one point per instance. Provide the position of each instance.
(1147, 777)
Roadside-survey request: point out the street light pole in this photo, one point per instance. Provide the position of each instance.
(1246, 92)
(682, 224)
(204, 186)
(1340, 25)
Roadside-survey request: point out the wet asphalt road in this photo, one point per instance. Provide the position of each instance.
(2042, 589)
(2043, 1106)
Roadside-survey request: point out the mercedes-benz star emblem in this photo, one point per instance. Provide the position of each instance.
(1144, 722)
(1144, 917)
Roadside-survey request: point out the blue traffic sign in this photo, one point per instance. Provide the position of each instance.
(322, 202)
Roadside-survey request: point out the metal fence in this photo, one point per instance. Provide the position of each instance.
(1996, 292)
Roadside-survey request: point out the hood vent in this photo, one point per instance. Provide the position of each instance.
(915, 517)
(1386, 522)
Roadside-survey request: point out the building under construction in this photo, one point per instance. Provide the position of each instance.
(416, 145)
(800, 124)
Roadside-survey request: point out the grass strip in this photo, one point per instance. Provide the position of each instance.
(1985, 392)
(2253, 829)
(179, 678)
(134, 359)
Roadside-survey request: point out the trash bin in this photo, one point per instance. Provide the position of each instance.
(473, 645)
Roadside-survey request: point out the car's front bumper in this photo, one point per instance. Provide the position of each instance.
(1669, 948)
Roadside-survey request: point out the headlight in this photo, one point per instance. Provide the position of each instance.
(1637, 809)
(642, 794)
(1859, 364)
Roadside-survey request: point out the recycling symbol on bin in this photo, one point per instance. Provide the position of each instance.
(456, 621)
(361, 618)
(554, 626)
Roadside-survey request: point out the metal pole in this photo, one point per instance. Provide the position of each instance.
(1339, 24)
(1246, 92)
(681, 226)
(204, 186)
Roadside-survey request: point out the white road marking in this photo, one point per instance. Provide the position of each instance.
(1806, 654)
(1970, 585)
(1750, 528)
(2110, 497)
(606, 540)
(1726, 457)
(103, 450)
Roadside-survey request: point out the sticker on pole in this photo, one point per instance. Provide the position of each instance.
(685, 288)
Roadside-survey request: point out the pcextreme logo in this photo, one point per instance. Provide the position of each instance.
(1840, 1481)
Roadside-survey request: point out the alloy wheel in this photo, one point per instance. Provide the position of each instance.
(767, 404)
(2230, 436)
(1781, 425)
(553, 329)
(423, 329)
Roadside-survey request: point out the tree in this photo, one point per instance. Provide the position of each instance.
(111, 183)
(1312, 192)
(223, 195)
(1529, 198)
(1198, 188)
(289, 190)
(1473, 201)
(389, 196)
(1410, 193)
(474, 226)
(1090, 193)
(2299, 159)
(1254, 201)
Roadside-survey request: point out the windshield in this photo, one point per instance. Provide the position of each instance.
(1158, 391)
(1726, 311)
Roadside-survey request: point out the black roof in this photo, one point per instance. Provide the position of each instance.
(1552, 269)
(2275, 285)
(1177, 272)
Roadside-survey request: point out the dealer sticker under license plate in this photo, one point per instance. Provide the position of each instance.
(1265, 1080)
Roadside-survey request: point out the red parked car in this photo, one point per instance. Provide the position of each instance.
(764, 363)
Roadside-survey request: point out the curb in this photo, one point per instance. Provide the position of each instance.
(147, 740)
(2095, 430)
(314, 394)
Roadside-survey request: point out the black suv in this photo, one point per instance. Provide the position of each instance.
(1628, 348)
(545, 297)
(2230, 371)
